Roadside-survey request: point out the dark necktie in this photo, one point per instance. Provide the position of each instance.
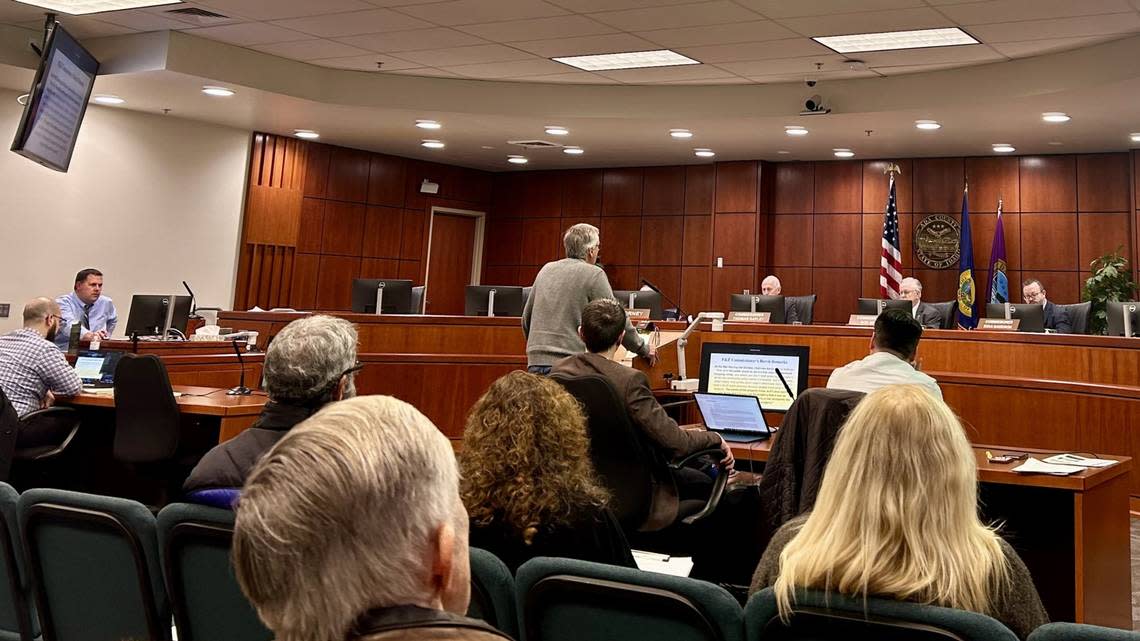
(86, 317)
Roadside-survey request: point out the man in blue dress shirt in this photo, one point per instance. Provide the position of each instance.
(87, 306)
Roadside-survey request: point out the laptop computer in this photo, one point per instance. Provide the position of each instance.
(737, 418)
(97, 368)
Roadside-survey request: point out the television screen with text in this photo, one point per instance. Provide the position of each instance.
(755, 370)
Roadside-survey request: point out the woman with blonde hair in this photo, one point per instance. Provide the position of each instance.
(897, 517)
(527, 480)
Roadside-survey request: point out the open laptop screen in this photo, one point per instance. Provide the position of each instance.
(97, 366)
(731, 412)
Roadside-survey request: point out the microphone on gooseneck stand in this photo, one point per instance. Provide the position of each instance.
(680, 314)
(785, 382)
(193, 301)
(134, 342)
(241, 389)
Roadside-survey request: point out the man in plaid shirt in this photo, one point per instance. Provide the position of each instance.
(32, 370)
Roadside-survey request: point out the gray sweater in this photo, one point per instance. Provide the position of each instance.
(553, 312)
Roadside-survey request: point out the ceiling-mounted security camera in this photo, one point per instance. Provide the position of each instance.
(813, 106)
(810, 82)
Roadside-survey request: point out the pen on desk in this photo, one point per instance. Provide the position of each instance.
(989, 457)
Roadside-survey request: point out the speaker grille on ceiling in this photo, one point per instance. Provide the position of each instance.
(534, 144)
(200, 16)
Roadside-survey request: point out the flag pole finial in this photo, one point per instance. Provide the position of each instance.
(892, 169)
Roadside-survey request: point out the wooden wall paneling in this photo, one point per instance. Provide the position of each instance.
(1048, 183)
(317, 158)
(272, 216)
(730, 280)
(622, 276)
(344, 224)
(348, 175)
(1102, 182)
(790, 243)
(1102, 233)
(540, 194)
(838, 240)
(938, 184)
(412, 235)
(664, 191)
(982, 225)
(412, 270)
(696, 285)
(697, 242)
(836, 289)
(472, 186)
(795, 188)
(622, 192)
(941, 285)
(794, 281)
(839, 187)
(582, 192)
(666, 278)
(662, 240)
(382, 229)
(734, 238)
(379, 268)
(737, 187)
(503, 242)
(993, 178)
(700, 183)
(876, 186)
(1048, 241)
(504, 200)
(303, 289)
(527, 274)
(282, 276)
(415, 172)
(386, 180)
(873, 239)
(869, 283)
(311, 225)
(500, 275)
(620, 240)
(1063, 287)
(334, 282)
(541, 240)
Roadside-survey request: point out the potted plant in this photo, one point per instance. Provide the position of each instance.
(1111, 280)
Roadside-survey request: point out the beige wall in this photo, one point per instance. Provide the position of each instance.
(150, 200)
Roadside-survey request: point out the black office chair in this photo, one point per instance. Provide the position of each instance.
(805, 307)
(40, 435)
(1078, 316)
(947, 311)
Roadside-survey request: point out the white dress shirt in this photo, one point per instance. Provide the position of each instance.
(879, 370)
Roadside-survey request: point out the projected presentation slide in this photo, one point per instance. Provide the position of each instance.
(729, 368)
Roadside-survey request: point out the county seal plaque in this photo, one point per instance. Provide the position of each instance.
(936, 239)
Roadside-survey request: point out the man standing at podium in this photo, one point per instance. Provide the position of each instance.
(562, 289)
(86, 305)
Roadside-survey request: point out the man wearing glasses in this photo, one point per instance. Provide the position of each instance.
(32, 371)
(309, 364)
(86, 305)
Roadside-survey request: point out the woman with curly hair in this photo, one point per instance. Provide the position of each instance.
(527, 480)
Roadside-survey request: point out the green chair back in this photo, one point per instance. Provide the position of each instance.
(95, 566)
(492, 592)
(1080, 632)
(16, 622)
(572, 600)
(208, 603)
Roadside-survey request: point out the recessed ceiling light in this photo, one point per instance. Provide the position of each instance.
(432, 144)
(428, 124)
(704, 153)
(223, 92)
(1004, 148)
(486, 147)
(1055, 116)
(843, 153)
(783, 151)
(555, 130)
(106, 99)
(628, 60)
(81, 7)
(518, 160)
(891, 40)
(680, 133)
(307, 134)
(1055, 143)
(928, 125)
(1134, 137)
(795, 130)
(575, 151)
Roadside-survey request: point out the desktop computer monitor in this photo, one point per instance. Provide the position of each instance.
(508, 300)
(1116, 313)
(746, 369)
(774, 305)
(870, 306)
(1032, 317)
(642, 299)
(148, 314)
(397, 296)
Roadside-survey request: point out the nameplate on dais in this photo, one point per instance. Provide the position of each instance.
(637, 314)
(999, 324)
(861, 320)
(750, 317)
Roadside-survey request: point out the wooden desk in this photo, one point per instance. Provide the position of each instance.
(233, 413)
(200, 363)
(1071, 531)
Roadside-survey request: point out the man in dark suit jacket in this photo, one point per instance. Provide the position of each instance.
(1056, 318)
(926, 314)
(602, 330)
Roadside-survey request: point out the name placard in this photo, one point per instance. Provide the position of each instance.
(999, 324)
(750, 317)
(862, 320)
(637, 314)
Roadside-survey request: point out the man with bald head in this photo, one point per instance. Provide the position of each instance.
(770, 286)
(32, 370)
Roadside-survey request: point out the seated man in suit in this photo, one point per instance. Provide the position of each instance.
(771, 286)
(310, 363)
(926, 314)
(893, 347)
(603, 330)
(1056, 319)
(86, 305)
(32, 370)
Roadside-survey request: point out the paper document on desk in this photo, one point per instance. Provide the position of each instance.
(1079, 461)
(663, 563)
(1034, 466)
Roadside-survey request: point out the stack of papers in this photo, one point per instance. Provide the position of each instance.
(663, 563)
(1079, 461)
(1034, 466)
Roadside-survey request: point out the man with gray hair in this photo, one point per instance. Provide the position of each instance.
(926, 314)
(352, 528)
(32, 370)
(562, 288)
(311, 362)
(771, 286)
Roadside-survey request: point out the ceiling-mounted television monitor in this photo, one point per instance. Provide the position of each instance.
(57, 101)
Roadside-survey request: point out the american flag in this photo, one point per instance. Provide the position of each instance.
(890, 265)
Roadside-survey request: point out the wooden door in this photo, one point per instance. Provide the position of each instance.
(449, 268)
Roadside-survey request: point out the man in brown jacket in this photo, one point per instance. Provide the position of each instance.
(602, 330)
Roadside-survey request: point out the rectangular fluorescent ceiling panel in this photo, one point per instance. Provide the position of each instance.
(893, 40)
(628, 60)
(83, 7)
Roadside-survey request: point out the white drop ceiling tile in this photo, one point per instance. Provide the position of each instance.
(311, 49)
(752, 31)
(354, 23)
(84, 27)
(190, 20)
(366, 63)
(586, 45)
(456, 56)
(802, 67)
(140, 20)
(574, 77)
(675, 17)
(426, 72)
(1029, 48)
(1114, 23)
(417, 39)
(478, 11)
(964, 54)
(536, 67)
(795, 78)
(868, 22)
(757, 51)
(1017, 10)
(247, 34)
(587, 6)
(398, 3)
(728, 80)
(783, 9)
(538, 28)
(902, 70)
(283, 9)
(665, 74)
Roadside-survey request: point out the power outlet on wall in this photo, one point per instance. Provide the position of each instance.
(4, 309)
